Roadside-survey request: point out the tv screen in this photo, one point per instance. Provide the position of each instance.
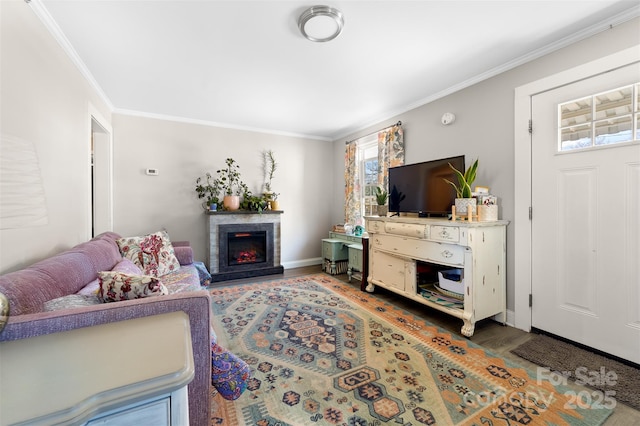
(421, 188)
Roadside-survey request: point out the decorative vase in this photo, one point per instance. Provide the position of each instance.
(488, 213)
(463, 204)
(213, 207)
(231, 202)
(383, 210)
(275, 204)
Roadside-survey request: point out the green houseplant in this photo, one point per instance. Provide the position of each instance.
(381, 199)
(231, 184)
(463, 188)
(254, 202)
(209, 190)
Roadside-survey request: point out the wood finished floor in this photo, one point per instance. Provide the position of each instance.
(488, 333)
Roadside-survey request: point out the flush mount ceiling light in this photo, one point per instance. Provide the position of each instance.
(321, 23)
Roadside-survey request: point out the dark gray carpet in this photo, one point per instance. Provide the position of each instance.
(584, 366)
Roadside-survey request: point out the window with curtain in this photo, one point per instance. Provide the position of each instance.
(367, 161)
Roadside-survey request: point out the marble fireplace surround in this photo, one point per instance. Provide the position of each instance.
(237, 219)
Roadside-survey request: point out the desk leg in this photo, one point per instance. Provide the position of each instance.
(365, 264)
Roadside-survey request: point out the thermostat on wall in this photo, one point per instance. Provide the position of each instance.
(152, 172)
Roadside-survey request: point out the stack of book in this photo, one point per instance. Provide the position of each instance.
(339, 228)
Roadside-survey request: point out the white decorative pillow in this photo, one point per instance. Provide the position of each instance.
(116, 286)
(152, 253)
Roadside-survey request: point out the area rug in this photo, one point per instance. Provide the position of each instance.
(615, 379)
(323, 352)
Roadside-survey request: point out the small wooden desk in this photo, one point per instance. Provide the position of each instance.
(353, 249)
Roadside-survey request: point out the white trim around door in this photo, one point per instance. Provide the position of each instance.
(522, 139)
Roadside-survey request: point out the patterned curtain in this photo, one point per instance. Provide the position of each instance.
(352, 184)
(390, 153)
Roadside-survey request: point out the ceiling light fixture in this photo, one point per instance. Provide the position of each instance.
(321, 23)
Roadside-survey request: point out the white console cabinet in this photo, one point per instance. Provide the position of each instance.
(399, 246)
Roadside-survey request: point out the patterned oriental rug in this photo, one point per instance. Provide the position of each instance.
(325, 353)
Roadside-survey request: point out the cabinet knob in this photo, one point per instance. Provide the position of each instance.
(447, 254)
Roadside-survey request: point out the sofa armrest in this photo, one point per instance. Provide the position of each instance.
(195, 304)
(183, 252)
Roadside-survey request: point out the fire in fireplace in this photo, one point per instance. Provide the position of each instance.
(246, 247)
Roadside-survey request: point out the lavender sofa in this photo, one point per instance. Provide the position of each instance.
(29, 289)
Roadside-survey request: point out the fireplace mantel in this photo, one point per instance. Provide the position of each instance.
(238, 218)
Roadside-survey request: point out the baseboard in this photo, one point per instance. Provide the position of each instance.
(302, 263)
(511, 318)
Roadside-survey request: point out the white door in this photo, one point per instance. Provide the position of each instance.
(585, 223)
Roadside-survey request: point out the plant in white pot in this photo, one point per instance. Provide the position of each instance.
(231, 184)
(465, 200)
(381, 199)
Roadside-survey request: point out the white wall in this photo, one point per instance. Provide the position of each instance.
(45, 101)
(484, 126)
(184, 151)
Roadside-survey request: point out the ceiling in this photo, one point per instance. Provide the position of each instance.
(244, 64)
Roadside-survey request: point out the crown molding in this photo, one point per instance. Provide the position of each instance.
(602, 26)
(164, 117)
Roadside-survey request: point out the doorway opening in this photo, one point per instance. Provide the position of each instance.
(101, 206)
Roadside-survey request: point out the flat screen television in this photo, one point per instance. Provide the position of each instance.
(421, 187)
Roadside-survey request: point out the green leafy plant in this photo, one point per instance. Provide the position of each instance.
(381, 196)
(253, 202)
(208, 189)
(230, 178)
(463, 187)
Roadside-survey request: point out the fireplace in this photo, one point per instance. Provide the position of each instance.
(243, 244)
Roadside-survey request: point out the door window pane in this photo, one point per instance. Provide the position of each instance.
(602, 119)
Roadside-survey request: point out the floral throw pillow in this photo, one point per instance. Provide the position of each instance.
(153, 253)
(116, 286)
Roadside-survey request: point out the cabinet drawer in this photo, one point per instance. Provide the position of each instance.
(406, 229)
(345, 237)
(375, 226)
(445, 233)
(388, 270)
(355, 256)
(334, 249)
(419, 249)
(153, 413)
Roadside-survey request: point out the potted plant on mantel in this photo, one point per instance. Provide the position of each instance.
(381, 199)
(231, 184)
(465, 200)
(270, 167)
(208, 189)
